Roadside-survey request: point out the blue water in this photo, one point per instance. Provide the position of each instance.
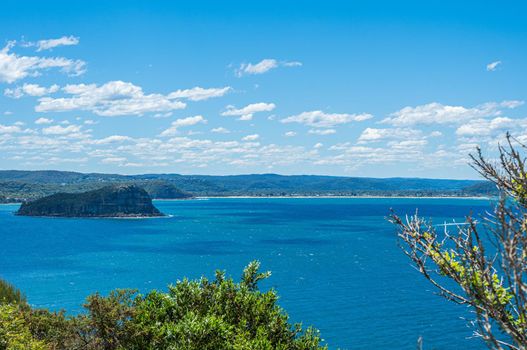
(335, 262)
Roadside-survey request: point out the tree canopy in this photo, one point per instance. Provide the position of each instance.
(193, 314)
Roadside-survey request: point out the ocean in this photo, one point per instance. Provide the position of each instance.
(335, 262)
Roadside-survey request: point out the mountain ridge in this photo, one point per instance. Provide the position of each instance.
(23, 185)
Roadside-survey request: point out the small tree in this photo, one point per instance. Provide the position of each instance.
(487, 260)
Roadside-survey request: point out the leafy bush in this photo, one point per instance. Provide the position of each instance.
(201, 314)
(14, 330)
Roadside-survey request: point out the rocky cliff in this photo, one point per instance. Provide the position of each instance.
(110, 201)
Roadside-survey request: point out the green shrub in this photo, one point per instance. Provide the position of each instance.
(14, 330)
(193, 315)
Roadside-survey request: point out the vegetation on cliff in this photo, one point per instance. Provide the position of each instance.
(193, 315)
(158, 189)
(110, 201)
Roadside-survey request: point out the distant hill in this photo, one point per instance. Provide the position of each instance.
(16, 185)
(163, 190)
(109, 201)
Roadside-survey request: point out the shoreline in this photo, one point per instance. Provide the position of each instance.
(335, 197)
(303, 197)
(137, 217)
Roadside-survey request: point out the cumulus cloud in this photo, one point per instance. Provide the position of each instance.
(115, 98)
(247, 112)
(437, 113)
(112, 139)
(14, 67)
(319, 119)
(407, 144)
(119, 98)
(61, 130)
(62, 41)
(30, 90)
(484, 127)
(263, 66)
(290, 134)
(322, 131)
(9, 129)
(198, 93)
(220, 130)
(173, 129)
(252, 137)
(374, 134)
(491, 67)
(43, 121)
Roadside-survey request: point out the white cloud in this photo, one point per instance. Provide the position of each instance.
(290, 134)
(437, 113)
(198, 93)
(31, 90)
(112, 139)
(512, 104)
(173, 129)
(14, 67)
(43, 121)
(247, 112)
(319, 119)
(119, 98)
(61, 130)
(483, 127)
(373, 134)
(318, 145)
(292, 64)
(491, 67)
(62, 41)
(407, 144)
(13, 93)
(9, 129)
(220, 130)
(322, 131)
(436, 134)
(257, 68)
(263, 66)
(115, 98)
(163, 115)
(252, 137)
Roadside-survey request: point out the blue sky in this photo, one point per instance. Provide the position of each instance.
(355, 88)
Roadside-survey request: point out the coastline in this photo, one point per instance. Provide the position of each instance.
(137, 217)
(302, 197)
(336, 197)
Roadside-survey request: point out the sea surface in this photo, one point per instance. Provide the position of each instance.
(335, 262)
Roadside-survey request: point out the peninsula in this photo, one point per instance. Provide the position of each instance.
(109, 201)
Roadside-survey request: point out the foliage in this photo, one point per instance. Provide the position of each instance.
(487, 261)
(14, 330)
(9, 294)
(194, 314)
